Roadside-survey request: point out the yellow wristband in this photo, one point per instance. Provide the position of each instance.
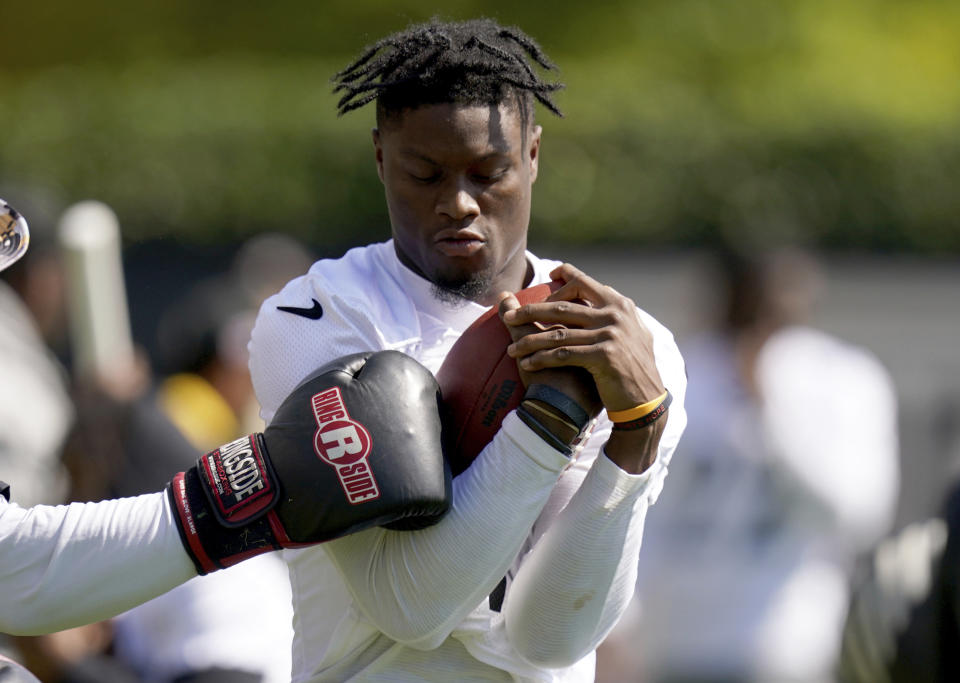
(637, 411)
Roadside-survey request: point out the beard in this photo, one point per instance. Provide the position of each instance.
(462, 289)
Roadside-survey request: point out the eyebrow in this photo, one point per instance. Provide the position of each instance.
(410, 153)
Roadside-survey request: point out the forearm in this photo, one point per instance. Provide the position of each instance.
(74, 564)
(417, 586)
(580, 576)
(635, 451)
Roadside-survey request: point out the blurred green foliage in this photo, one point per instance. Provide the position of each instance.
(832, 123)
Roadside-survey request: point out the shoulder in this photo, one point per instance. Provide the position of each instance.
(339, 306)
(355, 269)
(336, 299)
(541, 267)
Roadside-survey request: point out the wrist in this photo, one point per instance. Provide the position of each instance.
(642, 416)
(539, 424)
(558, 425)
(555, 416)
(214, 533)
(635, 451)
(559, 405)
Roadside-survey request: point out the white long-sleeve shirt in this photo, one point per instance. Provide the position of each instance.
(66, 565)
(412, 606)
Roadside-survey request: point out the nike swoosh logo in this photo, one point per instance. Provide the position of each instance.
(315, 312)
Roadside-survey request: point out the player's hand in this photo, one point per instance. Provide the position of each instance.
(604, 337)
(589, 325)
(574, 382)
(358, 444)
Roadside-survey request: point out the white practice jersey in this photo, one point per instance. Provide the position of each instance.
(413, 606)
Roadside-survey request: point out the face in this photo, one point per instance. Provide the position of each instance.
(458, 181)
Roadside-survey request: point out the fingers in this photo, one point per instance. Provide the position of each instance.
(562, 340)
(588, 357)
(580, 302)
(579, 285)
(612, 311)
(588, 325)
(551, 313)
(593, 350)
(508, 304)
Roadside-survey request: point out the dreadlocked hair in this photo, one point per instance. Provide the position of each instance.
(470, 62)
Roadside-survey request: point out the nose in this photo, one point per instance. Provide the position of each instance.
(457, 201)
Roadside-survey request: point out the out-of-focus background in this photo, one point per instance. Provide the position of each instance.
(687, 121)
(210, 129)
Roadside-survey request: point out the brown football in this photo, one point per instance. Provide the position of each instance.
(480, 383)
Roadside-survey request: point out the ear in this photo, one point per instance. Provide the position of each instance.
(533, 150)
(378, 152)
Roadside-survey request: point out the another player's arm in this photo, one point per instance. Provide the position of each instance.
(69, 565)
(328, 464)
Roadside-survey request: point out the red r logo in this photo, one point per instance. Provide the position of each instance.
(342, 442)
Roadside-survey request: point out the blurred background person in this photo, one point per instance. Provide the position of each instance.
(35, 406)
(124, 434)
(36, 409)
(788, 470)
(903, 625)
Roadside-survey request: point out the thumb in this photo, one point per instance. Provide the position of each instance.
(507, 302)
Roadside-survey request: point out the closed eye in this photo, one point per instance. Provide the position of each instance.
(489, 177)
(432, 178)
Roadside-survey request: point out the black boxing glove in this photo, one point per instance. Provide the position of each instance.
(357, 444)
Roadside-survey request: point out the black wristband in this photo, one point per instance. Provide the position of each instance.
(559, 401)
(5, 490)
(544, 433)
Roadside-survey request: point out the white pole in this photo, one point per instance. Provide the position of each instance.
(89, 235)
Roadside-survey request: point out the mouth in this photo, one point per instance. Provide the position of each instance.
(458, 243)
